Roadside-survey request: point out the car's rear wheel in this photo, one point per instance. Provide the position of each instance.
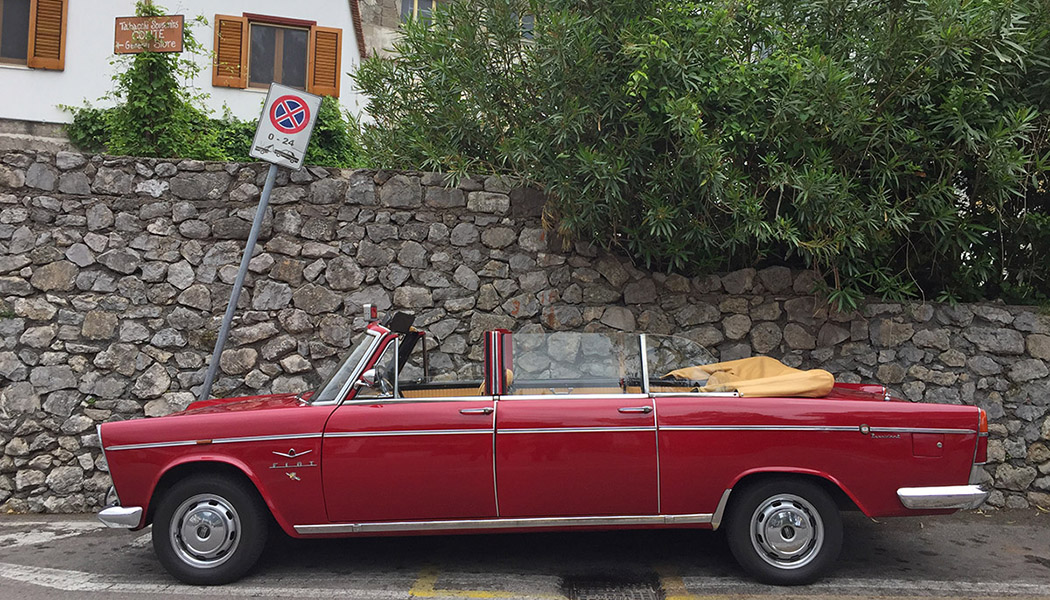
(209, 530)
(784, 531)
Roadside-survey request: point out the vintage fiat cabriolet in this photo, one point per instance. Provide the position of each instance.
(554, 431)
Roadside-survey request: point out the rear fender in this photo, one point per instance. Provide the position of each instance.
(768, 471)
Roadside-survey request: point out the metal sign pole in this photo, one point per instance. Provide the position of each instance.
(227, 319)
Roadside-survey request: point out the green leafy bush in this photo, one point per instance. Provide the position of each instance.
(898, 148)
(334, 143)
(89, 130)
(336, 137)
(234, 138)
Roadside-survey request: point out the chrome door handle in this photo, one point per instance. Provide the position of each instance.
(476, 411)
(636, 409)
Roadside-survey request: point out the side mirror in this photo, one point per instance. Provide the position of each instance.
(367, 379)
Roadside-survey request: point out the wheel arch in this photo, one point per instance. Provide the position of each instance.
(843, 498)
(223, 466)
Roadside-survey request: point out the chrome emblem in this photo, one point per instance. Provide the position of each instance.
(291, 475)
(292, 453)
(293, 465)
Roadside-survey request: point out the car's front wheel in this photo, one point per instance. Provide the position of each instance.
(784, 531)
(209, 530)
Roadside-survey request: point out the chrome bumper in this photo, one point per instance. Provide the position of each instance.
(121, 516)
(943, 497)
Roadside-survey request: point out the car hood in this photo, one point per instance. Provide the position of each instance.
(242, 403)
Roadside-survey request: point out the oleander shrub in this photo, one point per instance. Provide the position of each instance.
(897, 147)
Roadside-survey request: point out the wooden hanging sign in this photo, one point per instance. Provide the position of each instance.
(156, 34)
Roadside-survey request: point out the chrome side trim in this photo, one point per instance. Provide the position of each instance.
(406, 432)
(577, 430)
(560, 397)
(720, 511)
(943, 497)
(759, 428)
(102, 445)
(976, 471)
(923, 430)
(815, 428)
(387, 400)
(522, 523)
(695, 394)
(645, 363)
(495, 482)
(656, 439)
(121, 516)
(483, 398)
(397, 358)
(151, 445)
(236, 440)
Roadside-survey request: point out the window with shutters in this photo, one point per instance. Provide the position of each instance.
(14, 31)
(33, 32)
(278, 55)
(252, 51)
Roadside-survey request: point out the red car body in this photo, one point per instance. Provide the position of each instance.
(438, 460)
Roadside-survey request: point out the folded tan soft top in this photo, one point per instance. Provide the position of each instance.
(759, 376)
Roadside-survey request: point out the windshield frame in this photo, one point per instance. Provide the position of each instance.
(377, 334)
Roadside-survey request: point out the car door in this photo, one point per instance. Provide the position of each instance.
(576, 455)
(410, 459)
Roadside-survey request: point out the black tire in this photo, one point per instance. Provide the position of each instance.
(209, 529)
(784, 531)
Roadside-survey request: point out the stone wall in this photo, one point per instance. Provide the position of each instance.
(115, 272)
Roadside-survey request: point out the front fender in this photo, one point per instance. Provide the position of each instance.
(281, 504)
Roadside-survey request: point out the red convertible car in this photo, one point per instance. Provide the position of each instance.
(556, 431)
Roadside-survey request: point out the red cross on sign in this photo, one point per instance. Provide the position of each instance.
(290, 114)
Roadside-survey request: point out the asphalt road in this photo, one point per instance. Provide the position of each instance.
(970, 555)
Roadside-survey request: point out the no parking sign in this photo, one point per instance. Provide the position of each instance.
(281, 138)
(285, 126)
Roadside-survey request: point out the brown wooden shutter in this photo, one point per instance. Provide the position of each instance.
(326, 45)
(230, 68)
(47, 34)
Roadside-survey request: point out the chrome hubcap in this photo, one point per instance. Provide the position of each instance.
(205, 530)
(786, 531)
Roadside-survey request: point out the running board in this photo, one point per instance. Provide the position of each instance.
(525, 523)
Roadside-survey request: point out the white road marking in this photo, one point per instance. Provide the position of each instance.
(707, 585)
(49, 532)
(459, 585)
(81, 581)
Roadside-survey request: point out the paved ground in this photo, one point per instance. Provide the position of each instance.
(973, 555)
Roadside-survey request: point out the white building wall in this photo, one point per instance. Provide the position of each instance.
(35, 94)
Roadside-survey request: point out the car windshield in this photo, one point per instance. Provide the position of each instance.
(329, 390)
(570, 362)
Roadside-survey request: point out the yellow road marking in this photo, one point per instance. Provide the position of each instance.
(424, 588)
(674, 589)
(673, 585)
